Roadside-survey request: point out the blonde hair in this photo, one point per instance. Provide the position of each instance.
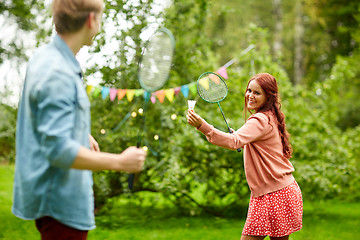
(70, 15)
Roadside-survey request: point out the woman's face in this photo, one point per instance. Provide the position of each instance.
(255, 96)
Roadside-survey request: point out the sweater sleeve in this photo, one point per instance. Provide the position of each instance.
(254, 129)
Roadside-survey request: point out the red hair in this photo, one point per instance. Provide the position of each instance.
(269, 85)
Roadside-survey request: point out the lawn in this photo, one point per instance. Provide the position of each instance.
(328, 220)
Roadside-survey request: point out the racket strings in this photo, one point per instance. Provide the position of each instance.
(156, 62)
(212, 88)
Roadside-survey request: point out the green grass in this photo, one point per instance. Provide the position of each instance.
(328, 220)
(11, 227)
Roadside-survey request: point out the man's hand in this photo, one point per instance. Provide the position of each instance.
(132, 159)
(94, 146)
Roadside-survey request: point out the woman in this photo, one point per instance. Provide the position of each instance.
(275, 207)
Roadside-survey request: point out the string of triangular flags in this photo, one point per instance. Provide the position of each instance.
(170, 93)
(159, 95)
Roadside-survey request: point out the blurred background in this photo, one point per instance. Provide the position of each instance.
(310, 46)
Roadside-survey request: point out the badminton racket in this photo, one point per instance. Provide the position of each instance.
(153, 71)
(212, 88)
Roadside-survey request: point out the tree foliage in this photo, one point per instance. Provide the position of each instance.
(327, 26)
(7, 133)
(182, 166)
(21, 16)
(24, 16)
(197, 176)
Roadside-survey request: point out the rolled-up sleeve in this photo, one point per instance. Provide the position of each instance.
(56, 101)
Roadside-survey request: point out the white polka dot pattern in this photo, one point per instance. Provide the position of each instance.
(275, 214)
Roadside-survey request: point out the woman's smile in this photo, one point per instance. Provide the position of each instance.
(255, 96)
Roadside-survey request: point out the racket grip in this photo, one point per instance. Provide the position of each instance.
(230, 131)
(131, 178)
(131, 181)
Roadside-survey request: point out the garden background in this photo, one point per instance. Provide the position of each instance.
(189, 188)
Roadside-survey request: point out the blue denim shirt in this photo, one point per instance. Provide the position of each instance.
(53, 122)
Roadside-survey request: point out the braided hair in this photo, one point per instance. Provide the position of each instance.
(269, 85)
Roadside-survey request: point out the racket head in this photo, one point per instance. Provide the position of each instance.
(156, 60)
(211, 87)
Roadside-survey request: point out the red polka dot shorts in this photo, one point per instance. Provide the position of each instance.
(275, 214)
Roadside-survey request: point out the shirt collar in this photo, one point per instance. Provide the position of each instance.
(68, 54)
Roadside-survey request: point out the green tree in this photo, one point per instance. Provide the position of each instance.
(24, 16)
(181, 166)
(20, 18)
(24, 24)
(330, 25)
(186, 20)
(7, 133)
(311, 33)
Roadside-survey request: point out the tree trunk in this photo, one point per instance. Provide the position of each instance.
(298, 41)
(277, 39)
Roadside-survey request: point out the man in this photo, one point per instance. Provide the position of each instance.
(54, 149)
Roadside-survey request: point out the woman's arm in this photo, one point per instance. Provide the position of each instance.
(256, 127)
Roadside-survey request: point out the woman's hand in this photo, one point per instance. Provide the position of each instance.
(194, 119)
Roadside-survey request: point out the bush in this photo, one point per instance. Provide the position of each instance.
(7, 133)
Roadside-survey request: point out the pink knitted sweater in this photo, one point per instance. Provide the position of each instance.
(266, 169)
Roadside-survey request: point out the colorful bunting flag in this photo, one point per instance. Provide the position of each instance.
(153, 99)
(146, 94)
(130, 94)
(139, 92)
(121, 93)
(185, 90)
(88, 89)
(214, 78)
(113, 92)
(160, 95)
(204, 82)
(96, 91)
(169, 93)
(177, 90)
(105, 92)
(192, 88)
(222, 72)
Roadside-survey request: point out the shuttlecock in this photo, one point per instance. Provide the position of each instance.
(191, 104)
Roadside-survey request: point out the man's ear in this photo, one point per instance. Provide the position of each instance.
(90, 20)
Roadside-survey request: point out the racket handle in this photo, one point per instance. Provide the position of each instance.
(131, 181)
(230, 131)
(131, 178)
